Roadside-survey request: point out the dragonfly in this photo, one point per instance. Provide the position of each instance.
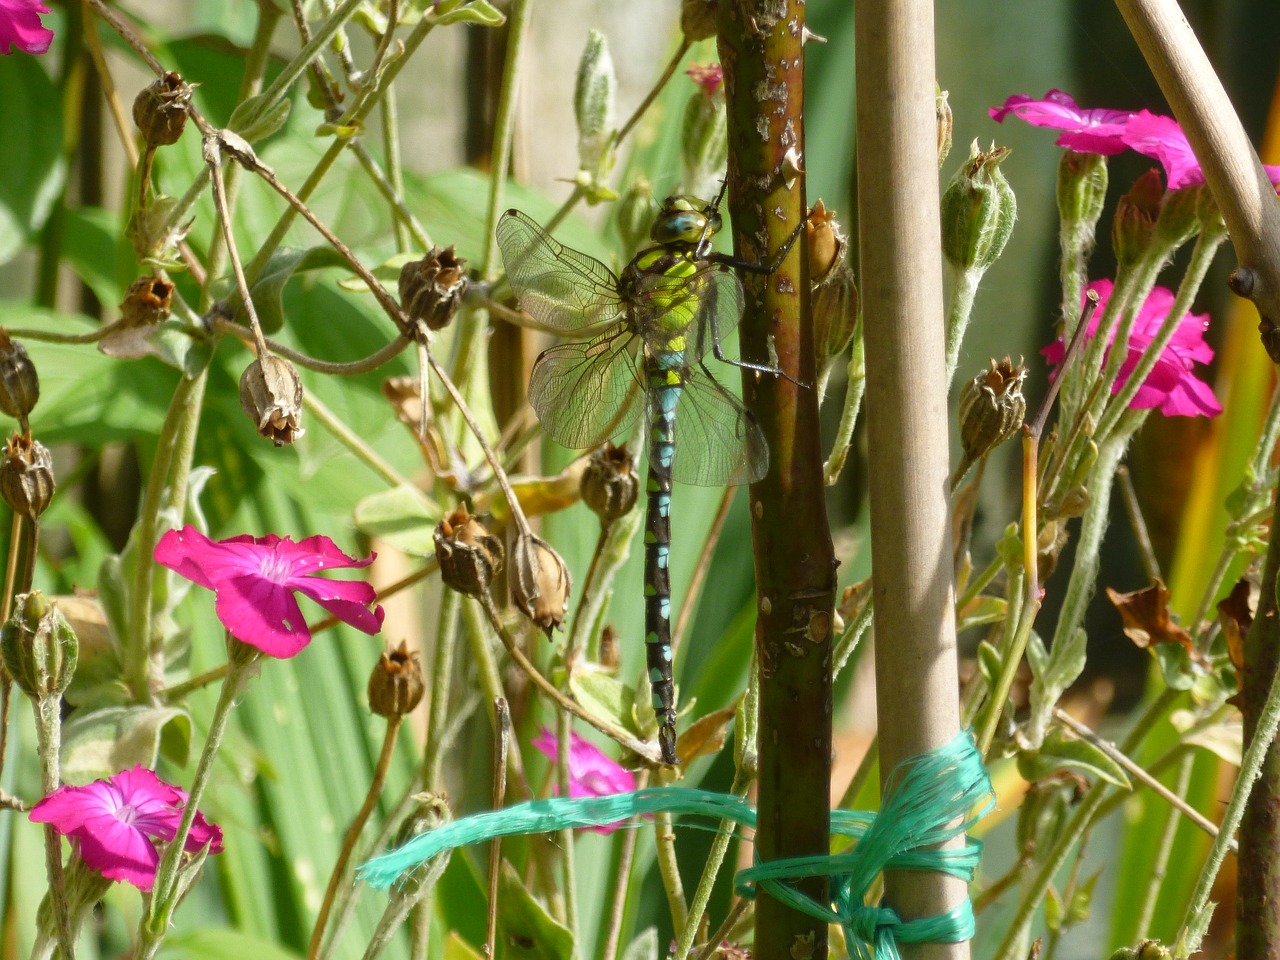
(640, 342)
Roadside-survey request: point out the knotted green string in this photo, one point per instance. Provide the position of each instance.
(930, 799)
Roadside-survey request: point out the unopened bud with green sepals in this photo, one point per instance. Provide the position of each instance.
(594, 96)
(704, 132)
(39, 647)
(978, 211)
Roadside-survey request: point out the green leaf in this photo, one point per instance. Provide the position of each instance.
(1222, 735)
(604, 695)
(1061, 752)
(220, 944)
(643, 947)
(1052, 672)
(1052, 910)
(34, 169)
(455, 948)
(404, 517)
(255, 119)
(1082, 900)
(982, 610)
(480, 12)
(1176, 666)
(103, 742)
(94, 247)
(989, 662)
(528, 931)
(268, 290)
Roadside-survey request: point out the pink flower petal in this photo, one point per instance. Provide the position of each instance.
(591, 773)
(20, 25)
(119, 851)
(264, 615)
(1085, 130)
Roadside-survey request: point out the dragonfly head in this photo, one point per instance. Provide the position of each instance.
(684, 220)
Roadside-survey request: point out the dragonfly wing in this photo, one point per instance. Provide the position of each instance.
(718, 441)
(562, 289)
(587, 391)
(720, 305)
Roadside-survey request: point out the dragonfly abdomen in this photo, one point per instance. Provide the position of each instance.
(663, 377)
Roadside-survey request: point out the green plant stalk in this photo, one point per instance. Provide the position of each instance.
(441, 685)
(702, 892)
(1164, 849)
(976, 694)
(354, 443)
(394, 174)
(761, 46)
(1080, 386)
(964, 288)
(622, 881)
(664, 837)
(49, 741)
(854, 390)
(1202, 254)
(1076, 827)
(568, 866)
(154, 923)
(997, 698)
(143, 664)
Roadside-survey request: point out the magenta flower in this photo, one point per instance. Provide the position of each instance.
(591, 773)
(1084, 130)
(1162, 139)
(114, 823)
(20, 24)
(254, 579)
(1172, 385)
(709, 78)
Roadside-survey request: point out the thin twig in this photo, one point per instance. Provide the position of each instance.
(1138, 523)
(501, 737)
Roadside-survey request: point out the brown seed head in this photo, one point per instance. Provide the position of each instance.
(469, 555)
(432, 288)
(39, 647)
(396, 684)
(609, 484)
(992, 407)
(26, 476)
(698, 18)
(160, 110)
(540, 582)
(19, 383)
(147, 302)
(271, 396)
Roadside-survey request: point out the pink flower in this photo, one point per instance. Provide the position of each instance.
(591, 773)
(20, 24)
(114, 823)
(1172, 384)
(254, 579)
(1084, 130)
(1162, 139)
(709, 78)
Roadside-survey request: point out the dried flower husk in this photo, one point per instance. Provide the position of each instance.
(431, 289)
(39, 647)
(469, 555)
(540, 582)
(147, 302)
(19, 382)
(992, 407)
(26, 476)
(160, 110)
(396, 684)
(610, 484)
(271, 396)
(698, 18)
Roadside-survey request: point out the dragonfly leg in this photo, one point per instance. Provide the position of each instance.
(750, 266)
(746, 364)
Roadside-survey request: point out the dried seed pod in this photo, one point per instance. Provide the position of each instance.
(160, 110)
(396, 684)
(540, 582)
(698, 18)
(432, 288)
(610, 655)
(991, 407)
(469, 555)
(147, 302)
(609, 484)
(26, 476)
(19, 382)
(271, 396)
(39, 647)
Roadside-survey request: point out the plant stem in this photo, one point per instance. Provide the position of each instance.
(1163, 851)
(964, 288)
(669, 869)
(626, 854)
(702, 893)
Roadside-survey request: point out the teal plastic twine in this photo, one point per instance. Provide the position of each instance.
(930, 799)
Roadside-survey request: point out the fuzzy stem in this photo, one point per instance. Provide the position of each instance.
(853, 391)
(702, 893)
(964, 288)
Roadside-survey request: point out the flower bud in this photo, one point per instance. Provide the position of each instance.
(634, 213)
(468, 554)
(540, 583)
(610, 655)
(147, 302)
(432, 288)
(698, 18)
(942, 109)
(19, 383)
(991, 408)
(1135, 222)
(833, 291)
(1082, 190)
(978, 211)
(271, 396)
(160, 110)
(609, 484)
(26, 476)
(1179, 218)
(396, 684)
(39, 647)
(704, 131)
(826, 242)
(593, 103)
